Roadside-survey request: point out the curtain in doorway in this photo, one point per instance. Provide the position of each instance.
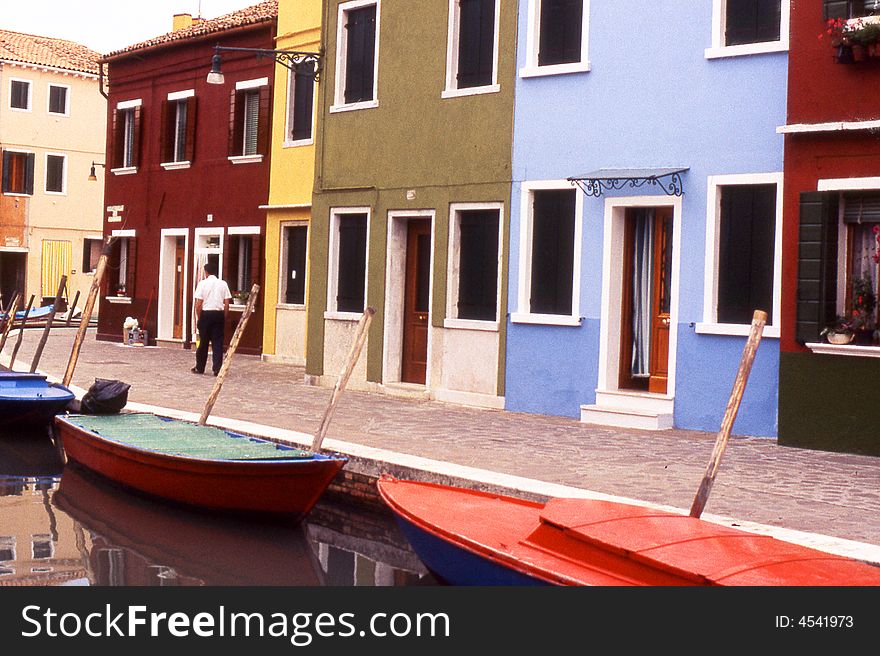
(57, 255)
(643, 288)
(201, 259)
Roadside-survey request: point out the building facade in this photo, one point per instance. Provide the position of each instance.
(411, 202)
(187, 171)
(831, 227)
(646, 210)
(52, 128)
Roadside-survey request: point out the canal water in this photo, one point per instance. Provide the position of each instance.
(63, 525)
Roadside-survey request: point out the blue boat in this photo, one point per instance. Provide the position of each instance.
(35, 314)
(30, 400)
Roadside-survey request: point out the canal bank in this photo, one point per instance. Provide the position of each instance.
(824, 500)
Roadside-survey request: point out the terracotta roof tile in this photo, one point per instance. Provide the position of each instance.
(262, 12)
(47, 51)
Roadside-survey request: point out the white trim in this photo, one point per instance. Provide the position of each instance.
(333, 260)
(848, 184)
(288, 108)
(533, 42)
(291, 206)
(243, 230)
(165, 316)
(118, 300)
(342, 316)
(522, 314)
(63, 191)
(339, 104)
(855, 350)
(175, 166)
(720, 50)
(452, 89)
(470, 324)
(256, 83)
(181, 95)
(30, 95)
(245, 159)
(129, 104)
(43, 68)
(710, 324)
(66, 111)
(123, 233)
(126, 170)
(834, 126)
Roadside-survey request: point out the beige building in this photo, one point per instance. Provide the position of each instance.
(52, 130)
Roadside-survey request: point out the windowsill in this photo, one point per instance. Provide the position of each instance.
(17, 194)
(118, 300)
(55, 193)
(471, 324)
(352, 107)
(245, 159)
(126, 170)
(470, 91)
(174, 166)
(853, 350)
(343, 316)
(19, 109)
(58, 114)
(733, 329)
(290, 306)
(533, 70)
(298, 143)
(545, 319)
(237, 307)
(720, 52)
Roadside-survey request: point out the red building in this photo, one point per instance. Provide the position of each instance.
(829, 396)
(187, 169)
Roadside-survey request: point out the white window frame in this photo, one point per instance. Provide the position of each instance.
(719, 28)
(452, 90)
(533, 43)
(120, 106)
(122, 275)
(339, 104)
(176, 97)
(66, 111)
(25, 153)
(283, 259)
(333, 262)
(30, 94)
(248, 85)
(288, 108)
(454, 263)
(63, 191)
(710, 325)
(98, 238)
(523, 314)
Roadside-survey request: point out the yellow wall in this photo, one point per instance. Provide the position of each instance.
(290, 182)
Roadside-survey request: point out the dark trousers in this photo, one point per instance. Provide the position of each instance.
(211, 325)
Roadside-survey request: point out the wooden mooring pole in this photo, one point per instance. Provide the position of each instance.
(27, 312)
(49, 320)
(10, 318)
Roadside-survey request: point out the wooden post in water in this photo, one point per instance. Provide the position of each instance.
(233, 345)
(360, 338)
(49, 320)
(27, 311)
(10, 318)
(739, 385)
(87, 312)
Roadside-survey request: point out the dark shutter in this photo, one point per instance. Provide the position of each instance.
(476, 43)
(352, 263)
(256, 260)
(29, 174)
(478, 265)
(264, 120)
(746, 252)
(136, 139)
(553, 252)
(167, 130)
(236, 123)
(861, 207)
(57, 100)
(560, 32)
(190, 148)
(118, 146)
(303, 101)
(753, 21)
(6, 172)
(54, 173)
(130, 269)
(295, 287)
(360, 54)
(847, 8)
(817, 264)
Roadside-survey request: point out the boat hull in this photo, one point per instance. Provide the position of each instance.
(287, 487)
(29, 400)
(467, 537)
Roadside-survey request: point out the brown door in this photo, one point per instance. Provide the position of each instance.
(646, 300)
(416, 296)
(179, 258)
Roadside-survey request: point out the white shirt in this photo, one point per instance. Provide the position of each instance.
(213, 293)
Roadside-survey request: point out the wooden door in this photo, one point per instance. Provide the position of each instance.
(179, 260)
(661, 298)
(416, 299)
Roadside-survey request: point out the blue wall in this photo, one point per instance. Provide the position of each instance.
(651, 99)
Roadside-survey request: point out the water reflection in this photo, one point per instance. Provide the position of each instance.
(62, 525)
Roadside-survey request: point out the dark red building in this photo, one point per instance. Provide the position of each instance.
(187, 169)
(828, 393)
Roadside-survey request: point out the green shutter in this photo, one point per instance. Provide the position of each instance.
(817, 264)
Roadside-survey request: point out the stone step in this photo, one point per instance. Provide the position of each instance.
(604, 415)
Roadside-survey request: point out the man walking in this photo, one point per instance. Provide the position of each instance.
(212, 307)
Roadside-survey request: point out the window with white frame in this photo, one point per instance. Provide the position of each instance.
(56, 173)
(126, 131)
(474, 261)
(122, 264)
(92, 248)
(300, 104)
(18, 172)
(249, 120)
(294, 245)
(357, 55)
(243, 261)
(178, 127)
(550, 254)
(58, 99)
(556, 41)
(20, 94)
(348, 260)
(743, 251)
(743, 27)
(472, 50)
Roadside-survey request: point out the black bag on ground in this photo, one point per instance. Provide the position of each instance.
(105, 397)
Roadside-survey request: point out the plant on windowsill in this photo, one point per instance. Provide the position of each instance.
(240, 298)
(840, 331)
(853, 40)
(120, 291)
(864, 302)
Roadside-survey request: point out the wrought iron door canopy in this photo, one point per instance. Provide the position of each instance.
(598, 182)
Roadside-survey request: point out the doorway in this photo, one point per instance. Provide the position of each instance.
(173, 277)
(416, 302)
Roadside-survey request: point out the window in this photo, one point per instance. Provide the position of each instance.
(745, 27)
(58, 99)
(20, 94)
(556, 40)
(243, 265)
(126, 135)
(178, 128)
(300, 103)
(42, 546)
(121, 265)
(357, 55)
(348, 264)
(850, 8)
(56, 173)
(743, 252)
(18, 172)
(92, 248)
(249, 121)
(473, 46)
(474, 262)
(293, 265)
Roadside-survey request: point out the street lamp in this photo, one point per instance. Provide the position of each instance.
(291, 59)
(92, 176)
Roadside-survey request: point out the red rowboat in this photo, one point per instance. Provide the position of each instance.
(467, 537)
(199, 465)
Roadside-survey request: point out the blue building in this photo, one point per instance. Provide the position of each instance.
(646, 210)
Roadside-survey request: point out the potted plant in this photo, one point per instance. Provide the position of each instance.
(864, 302)
(840, 331)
